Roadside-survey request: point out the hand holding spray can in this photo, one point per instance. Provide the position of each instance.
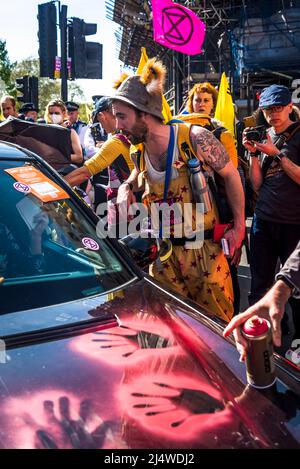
(259, 357)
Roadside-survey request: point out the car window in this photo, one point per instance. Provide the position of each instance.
(49, 251)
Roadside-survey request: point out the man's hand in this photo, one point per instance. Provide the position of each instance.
(235, 237)
(77, 176)
(40, 223)
(271, 307)
(268, 147)
(67, 124)
(125, 199)
(248, 144)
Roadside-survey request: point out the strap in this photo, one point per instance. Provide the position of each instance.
(218, 131)
(170, 152)
(175, 121)
(169, 162)
(282, 138)
(208, 234)
(289, 134)
(123, 139)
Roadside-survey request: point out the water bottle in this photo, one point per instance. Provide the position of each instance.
(200, 188)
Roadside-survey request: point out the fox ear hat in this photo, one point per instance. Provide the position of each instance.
(153, 76)
(119, 81)
(144, 92)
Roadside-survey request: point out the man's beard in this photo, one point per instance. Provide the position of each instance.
(139, 133)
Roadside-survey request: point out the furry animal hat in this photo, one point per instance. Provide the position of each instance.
(144, 92)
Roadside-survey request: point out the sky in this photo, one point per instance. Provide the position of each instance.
(19, 28)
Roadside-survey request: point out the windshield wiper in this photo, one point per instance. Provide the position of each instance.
(104, 320)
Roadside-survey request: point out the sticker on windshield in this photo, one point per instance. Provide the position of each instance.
(38, 183)
(21, 187)
(90, 243)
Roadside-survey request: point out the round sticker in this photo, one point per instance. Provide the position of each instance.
(90, 243)
(21, 187)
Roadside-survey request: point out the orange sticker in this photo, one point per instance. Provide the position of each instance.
(40, 185)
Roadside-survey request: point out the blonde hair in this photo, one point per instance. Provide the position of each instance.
(55, 102)
(205, 87)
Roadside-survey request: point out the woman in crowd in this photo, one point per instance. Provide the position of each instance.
(56, 113)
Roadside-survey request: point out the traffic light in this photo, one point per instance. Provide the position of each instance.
(34, 91)
(86, 56)
(47, 38)
(23, 89)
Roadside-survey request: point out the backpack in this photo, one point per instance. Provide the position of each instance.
(216, 183)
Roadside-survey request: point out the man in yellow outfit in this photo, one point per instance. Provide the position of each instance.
(201, 274)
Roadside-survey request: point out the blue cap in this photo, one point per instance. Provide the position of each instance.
(103, 104)
(275, 95)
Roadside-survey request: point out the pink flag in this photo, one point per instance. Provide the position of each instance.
(177, 27)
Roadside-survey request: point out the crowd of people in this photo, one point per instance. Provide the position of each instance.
(150, 160)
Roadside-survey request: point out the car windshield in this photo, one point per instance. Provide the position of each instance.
(49, 250)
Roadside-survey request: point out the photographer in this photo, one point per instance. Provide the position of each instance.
(275, 176)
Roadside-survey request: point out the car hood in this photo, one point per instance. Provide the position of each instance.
(161, 376)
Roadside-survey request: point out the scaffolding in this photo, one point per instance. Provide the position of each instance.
(255, 44)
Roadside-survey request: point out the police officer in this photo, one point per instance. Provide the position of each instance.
(28, 112)
(73, 117)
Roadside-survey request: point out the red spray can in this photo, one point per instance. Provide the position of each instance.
(259, 358)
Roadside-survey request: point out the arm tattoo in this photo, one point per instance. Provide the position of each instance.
(209, 148)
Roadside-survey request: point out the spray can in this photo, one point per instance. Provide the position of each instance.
(199, 186)
(259, 358)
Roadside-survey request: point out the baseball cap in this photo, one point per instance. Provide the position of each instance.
(103, 104)
(275, 95)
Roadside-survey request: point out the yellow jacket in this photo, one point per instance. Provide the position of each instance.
(107, 154)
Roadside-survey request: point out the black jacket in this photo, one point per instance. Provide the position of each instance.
(291, 271)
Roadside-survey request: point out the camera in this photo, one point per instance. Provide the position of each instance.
(98, 133)
(257, 134)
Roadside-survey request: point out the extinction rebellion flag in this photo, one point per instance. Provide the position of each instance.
(177, 27)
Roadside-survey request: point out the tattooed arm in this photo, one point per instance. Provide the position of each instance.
(208, 148)
(212, 152)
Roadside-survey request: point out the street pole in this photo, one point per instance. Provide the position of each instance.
(63, 43)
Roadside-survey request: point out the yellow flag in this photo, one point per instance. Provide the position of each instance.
(224, 108)
(143, 60)
(165, 107)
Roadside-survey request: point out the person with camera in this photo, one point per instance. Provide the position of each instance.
(275, 176)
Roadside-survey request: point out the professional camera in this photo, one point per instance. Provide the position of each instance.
(257, 134)
(98, 133)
